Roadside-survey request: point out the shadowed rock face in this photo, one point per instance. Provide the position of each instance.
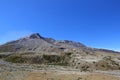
(35, 36)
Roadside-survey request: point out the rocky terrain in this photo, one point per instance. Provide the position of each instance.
(38, 58)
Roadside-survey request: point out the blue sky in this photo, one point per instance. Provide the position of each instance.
(96, 23)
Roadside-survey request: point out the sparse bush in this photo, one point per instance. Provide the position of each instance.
(52, 58)
(85, 68)
(39, 59)
(55, 60)
(119, 58)
(79, 78)
(107, 58)
(114, 63)
(103, 65)
(94, 62)
(60, 64)
(69, 53)
(15, 59)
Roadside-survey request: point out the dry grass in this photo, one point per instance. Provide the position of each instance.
(57, 76)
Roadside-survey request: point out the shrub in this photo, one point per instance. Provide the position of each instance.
(85, 68)
(107, 58)
(38, 59)
(79, 78)
(52, 58)
(15, 59)
(55, 60)
(68, 54)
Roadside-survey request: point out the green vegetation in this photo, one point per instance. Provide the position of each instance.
(69, 53)
(85, 68)
(114, 63)
(108, 63)
(107, 58)
(79, 78)
(55, 60)
(60, 64)
(41, 59)
(15, 59)
(52, 58)
(103, 65)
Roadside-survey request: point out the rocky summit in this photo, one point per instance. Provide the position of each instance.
(37, 43)
(36, 53)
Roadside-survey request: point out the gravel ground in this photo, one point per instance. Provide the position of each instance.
(115, 72)
(16, 71)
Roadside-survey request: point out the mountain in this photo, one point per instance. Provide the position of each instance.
(36, 42)
(38, 49)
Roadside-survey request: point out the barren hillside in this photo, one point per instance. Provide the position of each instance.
(36, 53)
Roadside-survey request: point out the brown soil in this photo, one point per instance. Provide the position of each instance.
(57, 76)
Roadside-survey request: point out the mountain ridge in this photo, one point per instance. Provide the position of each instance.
(36, 40)
(36, 49)
(36, 37)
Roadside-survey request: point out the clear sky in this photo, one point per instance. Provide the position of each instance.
(96, 23)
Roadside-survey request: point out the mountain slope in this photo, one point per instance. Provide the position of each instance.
(38, 49)
(35, 42)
